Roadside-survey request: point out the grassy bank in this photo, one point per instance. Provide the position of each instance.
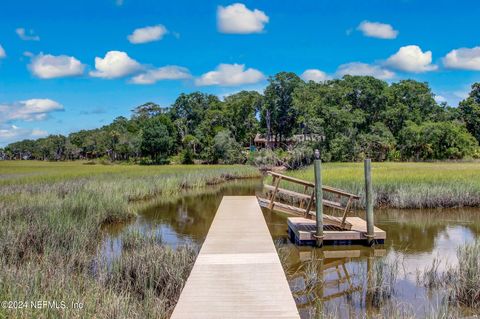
(407, 185)
(51, 215)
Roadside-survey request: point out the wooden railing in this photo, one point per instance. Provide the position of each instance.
(307, 198)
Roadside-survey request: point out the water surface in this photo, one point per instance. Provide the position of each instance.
(332, 278)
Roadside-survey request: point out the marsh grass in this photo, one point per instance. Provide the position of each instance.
(382, 280)
(464, 279)
(406, 185)
(460, 282)
(51, 219)
(151, 272)
(430, 277)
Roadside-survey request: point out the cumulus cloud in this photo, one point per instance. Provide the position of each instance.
(11, 133)
(147, 34)
(28, 110)
(237, 18)
(411, 58)
(463, 58)
(358, 68)
(230, 75)
(440, 99)
(115, 64)
(314, 75)
(27, 36)
(377, 30)
(2, 52)
(169, 72)
(47, 66)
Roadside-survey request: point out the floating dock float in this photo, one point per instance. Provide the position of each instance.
(308, 228)
(301, 231)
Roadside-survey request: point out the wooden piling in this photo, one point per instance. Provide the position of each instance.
(318, 199)
(369, 202)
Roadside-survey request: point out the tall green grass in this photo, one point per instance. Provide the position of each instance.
(461, 281)
(51, 219)
(406, 185)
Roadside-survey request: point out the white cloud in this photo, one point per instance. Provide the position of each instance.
(230, 75)
(147, 34)
(30, 36)
(410, 58)
(314, 75)
(115, 64)
(169, 72)
(11, 133)
(237, 18)
(50, 66)
(461, 94)
(28, 110)
(2, 52)
(440, 99)
(463, 58)
(377, 30)
(358, 68)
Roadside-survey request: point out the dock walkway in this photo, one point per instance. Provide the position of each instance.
(237, 273)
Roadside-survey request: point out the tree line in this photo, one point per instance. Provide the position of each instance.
(348, 119)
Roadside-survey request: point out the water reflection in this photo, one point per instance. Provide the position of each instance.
(336, 279)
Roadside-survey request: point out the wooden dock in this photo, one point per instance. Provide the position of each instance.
(302, 230)
(237, 273)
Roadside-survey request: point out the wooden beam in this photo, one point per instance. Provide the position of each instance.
(328, 189)
(296, 211)
(274, 194)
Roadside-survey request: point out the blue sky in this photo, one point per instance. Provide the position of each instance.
(66, 66)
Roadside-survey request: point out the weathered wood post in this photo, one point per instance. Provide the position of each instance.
(369, 201)
(318, 198)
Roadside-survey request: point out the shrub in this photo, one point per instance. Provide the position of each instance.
(187, 156)
(226, 150)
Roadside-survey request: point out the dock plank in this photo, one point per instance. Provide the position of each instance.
(237, 273)
(304, 230)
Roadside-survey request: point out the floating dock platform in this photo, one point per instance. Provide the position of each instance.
(301, 231)
(342, 230)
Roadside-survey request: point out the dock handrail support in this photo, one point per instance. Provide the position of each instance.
(369, 202)
(309, 201)
(319, 199)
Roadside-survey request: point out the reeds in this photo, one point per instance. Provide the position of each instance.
(150, 272)
(461, 282)
(407, 185)
(381, 281)
(51, 218)
(463, 279)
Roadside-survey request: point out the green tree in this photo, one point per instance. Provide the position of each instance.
(366, 95)
(188, 111)
(241, 110)
(470, 111)
(324, 110)
(146, 111)
(409, 100)
(436, 140)
(377, 144)
(278, 116)
(157, 141)
(226, 150)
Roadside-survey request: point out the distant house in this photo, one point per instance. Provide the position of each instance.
(260, 140)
